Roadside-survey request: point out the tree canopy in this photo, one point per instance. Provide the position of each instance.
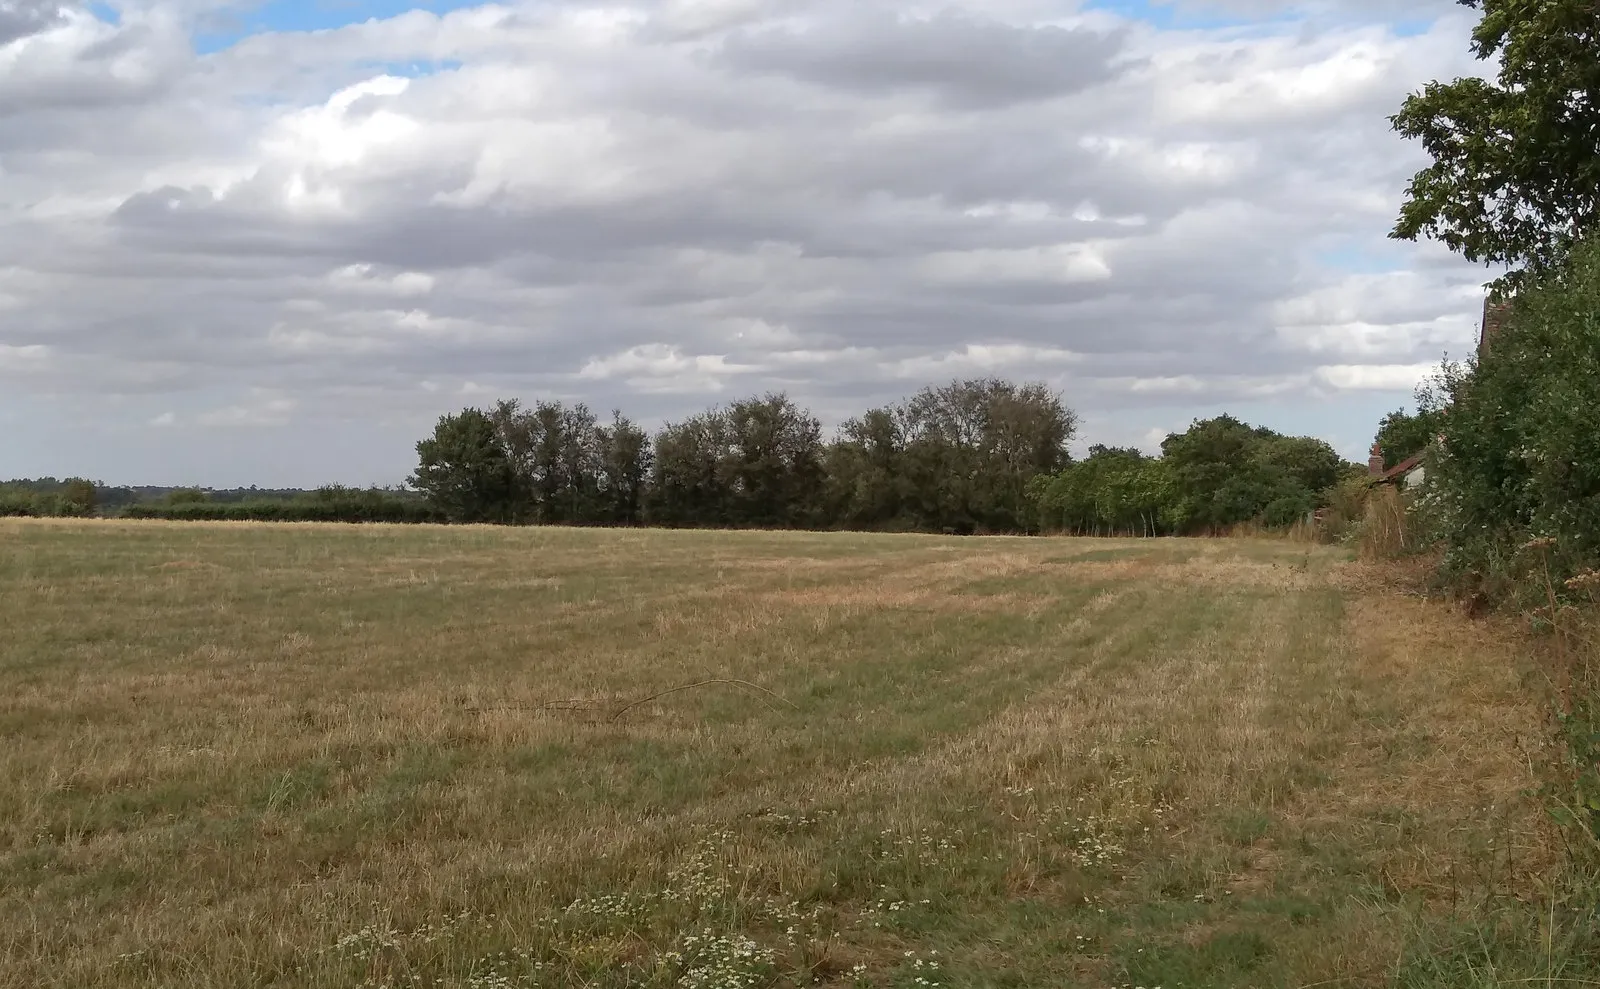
(1515, 178)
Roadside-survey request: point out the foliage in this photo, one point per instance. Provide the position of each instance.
(468, 471)
(1217, 474)
(1515, 496)
(758, 462)
(1113, 491)
(1515, 178)
(1522, 455)
(956, 458)
(972, 447)
(49, 498)
(187, 496)
(329, 504)
(1402, 434)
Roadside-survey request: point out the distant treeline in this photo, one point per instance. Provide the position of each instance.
(76, 497)
(328, 504)
(982, 455)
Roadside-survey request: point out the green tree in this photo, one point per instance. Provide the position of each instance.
(972, 448)
(1515, 178)
(1218, 480)
(1521, 451)
(1311, 464)
(79, 497)
(866, 486)
(187, 496)
(624, 455)
(1402, 433)
(466, 471)
(773, 466)
(688, 478)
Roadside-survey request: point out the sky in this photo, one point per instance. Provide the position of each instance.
(271, 243)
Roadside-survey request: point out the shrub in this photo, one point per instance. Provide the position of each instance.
(18, 503)
(1521, 449)
(333, 504)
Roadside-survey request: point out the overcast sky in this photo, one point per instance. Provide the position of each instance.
(272, 243)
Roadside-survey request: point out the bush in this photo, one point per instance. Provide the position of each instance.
(18, 503)
(75, 497)
(1521, 447)
(187, 496)
(333, 504)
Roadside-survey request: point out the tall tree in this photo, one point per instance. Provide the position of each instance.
(971, 448)
(688, 480)
(465, 470)
(624, 456)
(1515, 178)
(865, 467)
(773, 464)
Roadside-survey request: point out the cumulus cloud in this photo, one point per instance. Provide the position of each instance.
(661, 205)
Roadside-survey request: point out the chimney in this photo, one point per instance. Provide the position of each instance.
(1494, 317)
(1375, 462)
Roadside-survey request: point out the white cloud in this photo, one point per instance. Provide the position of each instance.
(663, 368)
(1374, 377)
(24, 358)
(1018, 359)
(659, 205)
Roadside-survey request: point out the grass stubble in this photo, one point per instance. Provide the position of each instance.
(325, 756)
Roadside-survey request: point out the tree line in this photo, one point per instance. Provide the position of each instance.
(978, 456)
(982, 455)
(1217, 474)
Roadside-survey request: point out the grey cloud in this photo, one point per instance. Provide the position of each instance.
(848, 240)
(20, 18)
(76, 62)
(966, 61)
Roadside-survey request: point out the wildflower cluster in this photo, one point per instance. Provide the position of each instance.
(923, 973)
(926, 846)
(697, 916)
(1091, 842)
(791, 823)
(371, 941)
(501, 971)
(700, 881)
(609, 909)
(708, 960)
(884, 910)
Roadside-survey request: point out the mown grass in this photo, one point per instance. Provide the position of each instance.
(255, 755)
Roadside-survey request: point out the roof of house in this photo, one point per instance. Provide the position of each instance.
(1399, 470)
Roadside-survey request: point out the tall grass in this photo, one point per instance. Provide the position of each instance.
(1384, 533)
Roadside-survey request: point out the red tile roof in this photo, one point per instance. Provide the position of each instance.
(1401, 469)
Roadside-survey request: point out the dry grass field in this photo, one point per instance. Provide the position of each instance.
(341, 757)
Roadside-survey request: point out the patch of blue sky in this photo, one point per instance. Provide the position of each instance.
(1168, 15)
(412, 69)
(105, 12)
(308, 15)
(1362, 258)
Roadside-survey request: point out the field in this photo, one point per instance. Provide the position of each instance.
(256, 755)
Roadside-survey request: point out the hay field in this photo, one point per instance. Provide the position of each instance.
(339, 757)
